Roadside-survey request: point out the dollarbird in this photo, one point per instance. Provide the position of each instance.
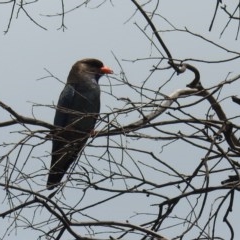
(76, 114)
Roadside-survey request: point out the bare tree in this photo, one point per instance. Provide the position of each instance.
(165, 162)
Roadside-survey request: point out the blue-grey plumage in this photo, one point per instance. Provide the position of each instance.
(76, 114)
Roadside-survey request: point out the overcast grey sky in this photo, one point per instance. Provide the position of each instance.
(98, 32)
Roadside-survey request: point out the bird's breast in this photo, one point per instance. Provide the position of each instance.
(86, 98)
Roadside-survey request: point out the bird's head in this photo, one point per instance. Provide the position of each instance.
(88, 68)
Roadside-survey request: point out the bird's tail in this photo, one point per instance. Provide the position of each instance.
(59, 168)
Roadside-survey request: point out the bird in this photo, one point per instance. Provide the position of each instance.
(76, 114)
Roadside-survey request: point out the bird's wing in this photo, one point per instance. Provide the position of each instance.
(58, 167)
(64, 103)
(65, 146)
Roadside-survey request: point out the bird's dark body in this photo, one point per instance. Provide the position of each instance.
(76, 114)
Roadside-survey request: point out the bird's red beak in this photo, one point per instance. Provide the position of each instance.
(106, 70)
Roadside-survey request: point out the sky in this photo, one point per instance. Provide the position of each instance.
(110, 31)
